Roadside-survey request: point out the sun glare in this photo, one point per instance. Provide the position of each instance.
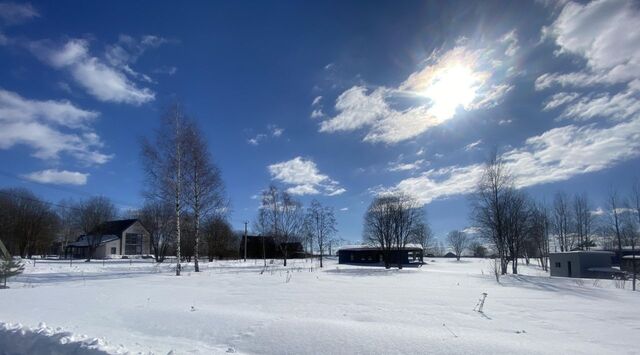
(451, 87)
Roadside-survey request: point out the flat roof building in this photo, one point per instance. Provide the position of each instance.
(583, 264)
(364, 254)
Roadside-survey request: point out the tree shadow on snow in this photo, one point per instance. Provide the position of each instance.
(548, 284)
(370, 271)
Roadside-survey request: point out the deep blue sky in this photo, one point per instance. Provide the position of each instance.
(82, 82)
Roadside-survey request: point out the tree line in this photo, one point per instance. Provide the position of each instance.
(185, 207)
(517, 226)
(284, 218)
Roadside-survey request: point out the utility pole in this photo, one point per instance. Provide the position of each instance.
(245, 241)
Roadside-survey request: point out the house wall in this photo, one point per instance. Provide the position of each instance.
(627, 264)
(109, 245)
(560, 264)
(373, 257)
(595, 260)
(136, 228)
(580, 264)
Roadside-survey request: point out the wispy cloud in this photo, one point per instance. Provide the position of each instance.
(450, 81)
(511, 40)
(556, 155)
(272, 131)
(472, 146)
(105, 80)
(58, 177)
(605, 34)
(559, 99)
(13, 13)
(49, 128)
(401, 165)
(304, 178)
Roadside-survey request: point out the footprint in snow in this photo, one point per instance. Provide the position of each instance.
(231, 350)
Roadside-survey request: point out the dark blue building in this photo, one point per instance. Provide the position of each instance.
(375, 255)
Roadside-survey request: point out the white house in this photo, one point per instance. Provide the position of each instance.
(113, 238)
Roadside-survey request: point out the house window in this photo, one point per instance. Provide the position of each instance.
(558, 265)
(133, 244)
(113, 250)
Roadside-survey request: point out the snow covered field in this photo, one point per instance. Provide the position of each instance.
(231, 307)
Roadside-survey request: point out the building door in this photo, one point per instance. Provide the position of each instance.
(569, 267)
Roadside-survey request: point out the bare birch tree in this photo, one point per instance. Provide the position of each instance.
(406, 215)
(614, 217)
(157, 217)
(562, 221)
(378, 226)
(517, 219)
(489, 207)
(390, 222)
(458, 241)
(204, 193)
(422, 235)
(164, 161)
(91, 213)
(285, 217)
(539, 234)
(321, 224)
(635, 205)
(583, 221)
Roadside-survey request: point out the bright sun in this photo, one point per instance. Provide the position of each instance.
(450, 87)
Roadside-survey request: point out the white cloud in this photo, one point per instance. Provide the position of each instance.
(169, 70)
(344, 209)
(450, 81)
(272, 131)
(13, 13)
(304, 178)
(511, 40)
(420, 152)
(49, 128)
(559, 99)
(316, 101)
(105, 82)
(556, 155)
(605, 34)
(619, 106)
(275, 130)
(491, 98)
(257, 139)
(472, 146)
(357, 109)
(14, 107)
(400, 166)
(398, 126)
(317, 113)
(58, 177)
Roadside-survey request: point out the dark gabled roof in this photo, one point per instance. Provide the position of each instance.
(113, 227)
(84, 240)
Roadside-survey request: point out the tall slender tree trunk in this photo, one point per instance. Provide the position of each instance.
(196, 213)
(196, 252)
(177, 194)
(264, 252)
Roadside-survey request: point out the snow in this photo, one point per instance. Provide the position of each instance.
(17, 339)
(232, 306)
